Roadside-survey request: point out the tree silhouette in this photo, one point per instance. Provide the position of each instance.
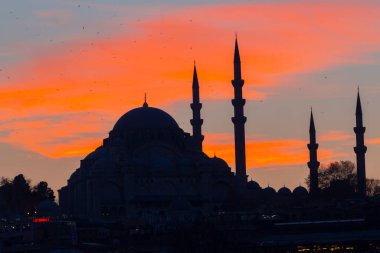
(373, 187)
(18, 197)
(41, 192)
(339, 178)
(21, 194)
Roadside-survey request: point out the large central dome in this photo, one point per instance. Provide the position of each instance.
(145, 118)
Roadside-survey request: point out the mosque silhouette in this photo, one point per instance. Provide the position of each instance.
(150, 169)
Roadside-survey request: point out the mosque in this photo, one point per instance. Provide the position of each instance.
(149, 168)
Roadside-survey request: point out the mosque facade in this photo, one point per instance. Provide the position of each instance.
(149, 168)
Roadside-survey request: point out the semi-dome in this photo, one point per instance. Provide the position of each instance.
(284, 191)
(253, 185)
(145, 118)
(300, 191)
(269, 190)
(97, 153)
(219, 162)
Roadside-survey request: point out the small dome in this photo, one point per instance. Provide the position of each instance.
(284, 191)
(219, 162)
(145, 118)
(75, 175)
(300, 191)
(98, 159)
(253, 185)
(269, 190)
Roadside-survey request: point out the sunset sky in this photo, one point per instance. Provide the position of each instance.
(70, 69)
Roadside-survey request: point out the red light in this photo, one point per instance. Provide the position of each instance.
(41, 220)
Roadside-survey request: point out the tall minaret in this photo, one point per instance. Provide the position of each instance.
(239, 119)
(196, 107)
(313, 163)
(360, 148)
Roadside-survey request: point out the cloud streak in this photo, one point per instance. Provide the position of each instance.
(263, 153)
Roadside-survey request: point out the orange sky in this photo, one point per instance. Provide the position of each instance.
(62, 91)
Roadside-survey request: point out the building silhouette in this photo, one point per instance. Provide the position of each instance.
(196, 107)
(360, 149)
(150, 169)
(239, 120)
(313, 164)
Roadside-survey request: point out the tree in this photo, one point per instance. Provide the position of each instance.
(21, 201)
(340, 177)
(41, 192)
(18, 197)
(6, 194)
(342, 171)
(335, 171)
(4, 181)
(373, 187)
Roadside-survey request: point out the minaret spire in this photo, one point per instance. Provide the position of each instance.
(313, 163)
(360, 149)
(239, 119)
(312, 125)
(196, 107)
(358, 106)
(145, 103)
(237, 63)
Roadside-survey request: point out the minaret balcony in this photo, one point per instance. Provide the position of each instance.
(360, 149)
(237, 83)
(313, 164)
(312, 146)
(196, 106)
(359, 130)
(196, 122)
(238, 102)
(239, 120)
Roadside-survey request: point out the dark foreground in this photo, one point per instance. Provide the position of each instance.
(233, 232)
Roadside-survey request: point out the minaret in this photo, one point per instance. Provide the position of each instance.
(239, 119)
(313, 163)
(360, 148)
(196, 107)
